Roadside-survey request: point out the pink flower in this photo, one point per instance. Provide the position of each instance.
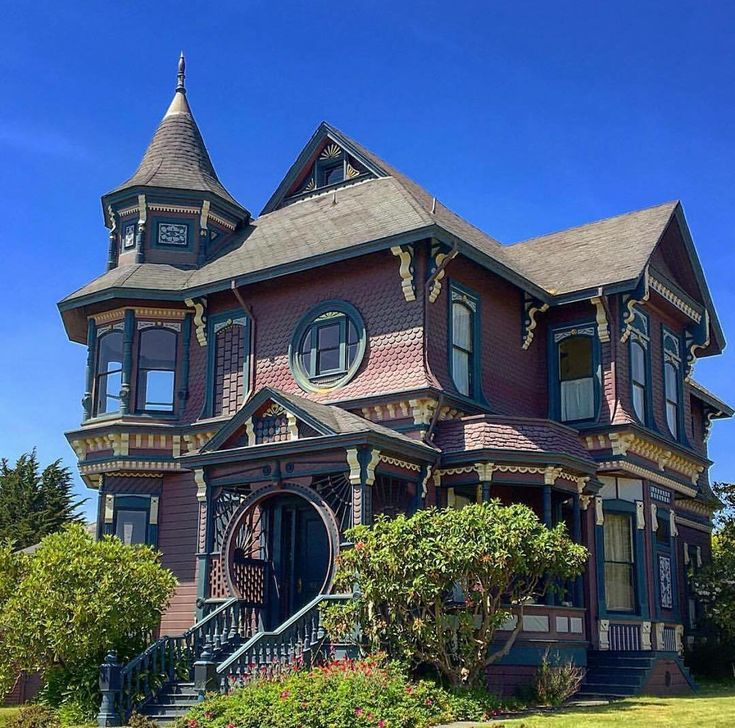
(193, 723)
(381, 723)
(359, 711)
(429, 701)
(284, 694)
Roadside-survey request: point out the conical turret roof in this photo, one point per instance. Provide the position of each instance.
(177, 157)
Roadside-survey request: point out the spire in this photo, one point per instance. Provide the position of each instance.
(177, 157)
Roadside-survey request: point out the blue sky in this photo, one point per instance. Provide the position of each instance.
(524, 117)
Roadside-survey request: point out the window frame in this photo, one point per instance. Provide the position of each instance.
(115, 329)
(556, 336)
(632, 564)
(310, 380)
(140, 407)
(640, 336)
(673, 359)
(462, 295)
(140, 504)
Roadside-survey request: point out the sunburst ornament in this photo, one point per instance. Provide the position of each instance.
(309, 186)
(332, 151)
(351, 171)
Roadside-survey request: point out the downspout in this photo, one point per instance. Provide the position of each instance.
(251, 358)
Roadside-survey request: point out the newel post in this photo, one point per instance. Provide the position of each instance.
(205, 671)
(110, 687)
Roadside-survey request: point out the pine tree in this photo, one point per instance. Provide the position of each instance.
(34, 503)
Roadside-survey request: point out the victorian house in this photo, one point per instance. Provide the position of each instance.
(257, 384)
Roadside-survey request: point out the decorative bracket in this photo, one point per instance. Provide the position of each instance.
(201, 484)
(203, 218)
(638, 297)
(599, 512)
(640, 514)
(531, 308)
(485, 471)
(200, 318)
(362, 465)
(672, 523)
(696, 338)
(654, 516)
(603, 328)
(405, 253)
(438, 256)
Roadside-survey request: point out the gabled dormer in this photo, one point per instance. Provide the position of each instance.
(173, 209)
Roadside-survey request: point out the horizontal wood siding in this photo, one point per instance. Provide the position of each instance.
(177, 540)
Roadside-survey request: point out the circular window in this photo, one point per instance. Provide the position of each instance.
(328, 346)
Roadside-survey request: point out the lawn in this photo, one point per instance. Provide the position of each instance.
(6, 713)
(712, 706)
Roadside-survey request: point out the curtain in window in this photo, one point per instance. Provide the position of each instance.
(461, 346)
(618, 540)
(578, 399)
(671, 383)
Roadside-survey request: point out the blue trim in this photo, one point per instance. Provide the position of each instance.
(304, 379)
(554, 384)
(158, 221)
(644, 340)
(668, 550)
(681, 433)
(127, 369)
(233, 314)
(475, 394)
(614, 505)
(88, 399)
(158, 413)
(124, 227)
(137, 503)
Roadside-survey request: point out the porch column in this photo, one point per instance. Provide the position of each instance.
(362, 464)
(550, 597)
(204, 541)
(577, 538)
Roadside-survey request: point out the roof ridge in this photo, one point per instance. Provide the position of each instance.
(601, 220)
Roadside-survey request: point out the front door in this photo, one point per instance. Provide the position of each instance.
(299, 549)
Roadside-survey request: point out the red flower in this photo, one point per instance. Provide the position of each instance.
(380, 724)
(429, 701)
(193, 723)
(359, 546)
(359, 711)
(284, 694)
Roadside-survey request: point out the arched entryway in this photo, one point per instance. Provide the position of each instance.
(280, 551)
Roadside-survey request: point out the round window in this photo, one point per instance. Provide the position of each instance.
(328, 346)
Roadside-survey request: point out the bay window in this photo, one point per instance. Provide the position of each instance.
(156, 369)
(108, 373)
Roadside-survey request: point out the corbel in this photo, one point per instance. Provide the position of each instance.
(696, 338)
(672, 523)
(599, 512)
(204, 219)
(584, 501)
(370, 466)
(422, 410)
(485, 471)
(354, 462)
(200, 318)
(201, 484)
(406, 270)
(640, 514)
(637, 298)
(603, 327)
(551, 474)
(620, 442)
(140, 236)
(531, 308)
(654, 516)
(440, 261)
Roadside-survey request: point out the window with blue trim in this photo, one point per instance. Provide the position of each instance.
(135, 519)
(672, 382)
(108, 371)
(577, 383)
(639, 366)
(156, 369)
(464, 334)
(619, 562)
(328, 346)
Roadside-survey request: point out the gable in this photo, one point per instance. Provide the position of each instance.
(328, 161)
(672, 259)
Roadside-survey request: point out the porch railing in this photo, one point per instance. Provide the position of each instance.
(625, 637)
(294, 642)
(172, 658)
(669, 639)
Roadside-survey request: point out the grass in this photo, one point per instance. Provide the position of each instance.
(6, 714)
(712, 707)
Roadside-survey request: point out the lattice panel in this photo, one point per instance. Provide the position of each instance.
(273, 428)
(249, 577)
(223, 509)
(336, 491)
(392, 496)
(229, 374)
(217, 582)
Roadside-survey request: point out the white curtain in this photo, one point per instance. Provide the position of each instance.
(577, 399)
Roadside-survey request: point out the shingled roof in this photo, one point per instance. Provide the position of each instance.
(596, 254)
(177, 157)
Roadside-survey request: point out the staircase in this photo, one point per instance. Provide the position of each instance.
(218, 654)
(623, 674)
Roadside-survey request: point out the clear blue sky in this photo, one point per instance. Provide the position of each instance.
(525, 117)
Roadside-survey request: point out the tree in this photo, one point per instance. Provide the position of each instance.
(75, 598)
(497, 557)
(34, 503)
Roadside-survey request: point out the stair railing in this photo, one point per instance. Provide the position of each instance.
(293, 643)
(172, 658)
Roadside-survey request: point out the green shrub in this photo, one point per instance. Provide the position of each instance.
(74, 713)
(556, 681)
(136, 720)
(34, 716)
(344, 694)
(713, 658)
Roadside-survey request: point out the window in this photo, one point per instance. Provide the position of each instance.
(672, 383)
(132, 526)
(156, 370)
(464, 338)
(576, 378)
(638, 378)
(663, 529)
(328, 346)
(332, 175)
(619, 562)
(108, 373)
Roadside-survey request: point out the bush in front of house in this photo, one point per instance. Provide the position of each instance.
(436, 587)
(344, 693)
(75, 599)
(34, 716)
(556, 680)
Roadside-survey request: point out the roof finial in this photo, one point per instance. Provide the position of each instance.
(182, 74)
